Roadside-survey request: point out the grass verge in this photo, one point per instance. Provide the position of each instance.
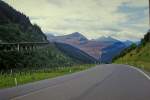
(139, 58)
(27, 76)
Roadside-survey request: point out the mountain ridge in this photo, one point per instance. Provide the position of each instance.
(106, 39)
(91, 47)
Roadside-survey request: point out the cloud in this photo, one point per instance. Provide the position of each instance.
(127, 19)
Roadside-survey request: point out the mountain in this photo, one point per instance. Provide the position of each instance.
(112, 48)
(75, 53)
(75, 35)
(72, 45)
(107, 39)
(51, 37)
(16, 27)
(128, 43)
(75, 38)
(139, 56)
(112, 51)
(80, 42)
(92, 48)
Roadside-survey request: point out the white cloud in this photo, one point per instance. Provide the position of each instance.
(128, 35)
(91, 17)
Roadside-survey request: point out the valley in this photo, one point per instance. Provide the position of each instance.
(103, 49)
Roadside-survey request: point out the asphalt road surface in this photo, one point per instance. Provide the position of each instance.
(103, 82)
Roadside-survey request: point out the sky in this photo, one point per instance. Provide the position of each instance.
(121, 19)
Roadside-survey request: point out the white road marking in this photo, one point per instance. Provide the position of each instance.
(142, 72)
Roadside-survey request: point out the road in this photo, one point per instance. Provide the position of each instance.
(103, 82)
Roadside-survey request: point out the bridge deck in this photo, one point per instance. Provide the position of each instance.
(24, 43)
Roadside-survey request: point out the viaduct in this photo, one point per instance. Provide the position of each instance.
(22, 46)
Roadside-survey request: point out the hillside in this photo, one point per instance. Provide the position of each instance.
(76, 53)
(49, 57)
(16, 27)
(139, 57)
(112, 51)
(107, 39)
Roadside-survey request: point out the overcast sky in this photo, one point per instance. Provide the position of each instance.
(122, 19)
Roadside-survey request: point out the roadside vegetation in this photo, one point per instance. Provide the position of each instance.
(27, 75)
(137, 56)
(20, 67)
(48, 56)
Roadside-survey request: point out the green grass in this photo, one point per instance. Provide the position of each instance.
(139, 58)
(24, 76)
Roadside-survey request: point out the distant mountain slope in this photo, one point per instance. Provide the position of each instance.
(75, 39)
(51, 37)
(93, 48)
(75, 35)
(76, 53)
(140, 56)
(15, 26)
(112, 51)
(80, 42)
(128, 43)
(107, 39)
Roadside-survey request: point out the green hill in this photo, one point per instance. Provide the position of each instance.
(16, 27)
(28, 66)
(49, 57)
(139, 56)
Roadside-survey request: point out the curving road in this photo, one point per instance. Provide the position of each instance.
(103, 82)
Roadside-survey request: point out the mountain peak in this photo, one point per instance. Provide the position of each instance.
(77, 34)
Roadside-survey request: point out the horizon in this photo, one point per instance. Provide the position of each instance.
(120, 19)
(95, 38)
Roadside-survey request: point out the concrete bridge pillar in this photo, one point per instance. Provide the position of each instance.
(22, 48)
(18, 47)
(12, 48)
(31, 48)
(7, 48)
(35, 47)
